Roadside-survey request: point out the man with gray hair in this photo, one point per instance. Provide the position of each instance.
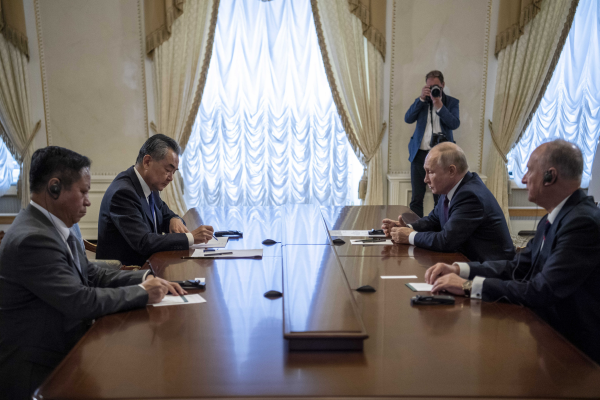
(134, 222)
(558, 273)
(467, 218)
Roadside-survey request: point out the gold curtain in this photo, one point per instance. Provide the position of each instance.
(524, 68)
(12, 24)
(372, 15)
(179, 76)
(354, 69)
(159, 16)
(512, 17)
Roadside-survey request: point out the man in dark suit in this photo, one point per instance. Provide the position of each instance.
(558, 273)
(49, 292)
(134, 222)
(467, 218)
(437, 115)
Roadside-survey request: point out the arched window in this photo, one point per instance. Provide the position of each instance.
(267, 130)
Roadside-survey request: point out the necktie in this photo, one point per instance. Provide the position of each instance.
(446, 203)
(151, 203)
(546, 229)
(73, 244)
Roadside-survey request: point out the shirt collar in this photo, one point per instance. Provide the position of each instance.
(552, 216)
(451, 192)
(145, 187)
(57, 222)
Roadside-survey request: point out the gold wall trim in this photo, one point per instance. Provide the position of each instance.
(486, 52)
(46, 101)
(143, 60)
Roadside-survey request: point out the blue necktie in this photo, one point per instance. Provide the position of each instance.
(73, 244)
(445, 210)
(151, 203)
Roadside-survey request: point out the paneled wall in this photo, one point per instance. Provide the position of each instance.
(451, 36)
(93, 71)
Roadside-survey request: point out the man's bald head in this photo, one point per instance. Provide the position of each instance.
(447, 154)
(565, 157)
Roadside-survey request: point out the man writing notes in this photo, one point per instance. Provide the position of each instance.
(467, 218)
(436, 115)
(134, 222)
(49, 291)
(558, 273)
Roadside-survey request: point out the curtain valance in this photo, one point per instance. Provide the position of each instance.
(12, 24)
(159, 16)
(372, 15)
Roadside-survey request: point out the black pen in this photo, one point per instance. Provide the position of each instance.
(151, 269)
(373, 240)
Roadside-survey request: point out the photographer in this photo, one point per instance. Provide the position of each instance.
(436, 115)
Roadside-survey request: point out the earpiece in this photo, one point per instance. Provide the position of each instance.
(54, 190)
(547, 177)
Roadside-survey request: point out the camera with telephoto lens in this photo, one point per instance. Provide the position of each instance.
(436, 91)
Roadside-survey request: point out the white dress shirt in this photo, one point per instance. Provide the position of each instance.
(436, 126)
(147, 193)
(411, 237)
(465, 270)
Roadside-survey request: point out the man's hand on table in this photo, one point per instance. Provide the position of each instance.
(203, 234)
(157, 288)
(177, 226)
(387, 225)
(400, 235)
(444, 278)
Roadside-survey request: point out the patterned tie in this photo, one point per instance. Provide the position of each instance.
(446, 203)
(73, 243)
(546, 229)
(151, 203)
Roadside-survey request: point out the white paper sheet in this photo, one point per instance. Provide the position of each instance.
(398, 277)
(213, 243)
(383, 243)
(170, 300)
(200, 253)
(353, 233)
(422, 287)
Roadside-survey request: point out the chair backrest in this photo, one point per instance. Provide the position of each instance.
(1, 236)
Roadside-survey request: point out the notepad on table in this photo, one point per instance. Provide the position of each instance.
(398, 277)
(353, 233)
(381, 243)
(170, 300)
(201, 253)
(218, 243)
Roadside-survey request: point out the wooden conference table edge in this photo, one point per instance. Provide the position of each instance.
(506, 309)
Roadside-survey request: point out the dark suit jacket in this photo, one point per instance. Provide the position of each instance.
(476, 225)
(560, 282)
(125, 230)
(449, 120)
(47, 304)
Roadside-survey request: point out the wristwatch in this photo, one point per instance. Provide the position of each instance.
(467, 285)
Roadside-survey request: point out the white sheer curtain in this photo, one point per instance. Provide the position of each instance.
(267, 131)
(7, 167)
(570, 108)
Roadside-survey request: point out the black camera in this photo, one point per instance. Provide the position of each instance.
(437, 138)
(436, 91)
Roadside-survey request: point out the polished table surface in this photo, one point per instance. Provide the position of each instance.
(233, 345)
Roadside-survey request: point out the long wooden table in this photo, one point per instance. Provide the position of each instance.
(233, 345)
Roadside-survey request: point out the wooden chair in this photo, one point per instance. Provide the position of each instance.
(1, 236)
(89, 246)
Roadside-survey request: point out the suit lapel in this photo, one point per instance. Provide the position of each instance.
(140, 193)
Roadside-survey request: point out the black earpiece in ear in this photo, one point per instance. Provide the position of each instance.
(547, 177)
(55, 190)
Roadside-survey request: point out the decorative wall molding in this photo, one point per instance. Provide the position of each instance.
(486, 50)
(38, 28)
(391, 114)
(143, 60)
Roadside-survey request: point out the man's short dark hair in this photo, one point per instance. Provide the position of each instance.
(566, 157)
(55, 162)
(156, 147)
(435, 74)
